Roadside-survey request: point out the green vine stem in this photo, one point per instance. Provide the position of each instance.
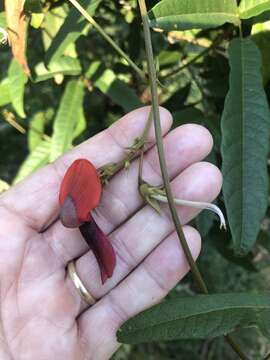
(156, 116)
(88, 17)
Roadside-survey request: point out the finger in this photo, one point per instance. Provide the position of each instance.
(146, 286)
(35, 199)
(135, 239)
(183, 146)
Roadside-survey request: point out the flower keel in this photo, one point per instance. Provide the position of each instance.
(101, 247)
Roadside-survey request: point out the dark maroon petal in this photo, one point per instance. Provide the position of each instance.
(68, 214)
(101, 247)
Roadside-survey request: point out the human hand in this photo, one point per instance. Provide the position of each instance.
(42, 315)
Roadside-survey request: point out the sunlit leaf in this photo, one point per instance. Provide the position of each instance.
(73, 26)
(193, 14)
(250, 8)
(65, 65)
(4, 186)
(4, 92)
(35, 160)
(81, 124)
(198, 317)
(66, 118)
(17, 80)
(117, 90)
(245, 139)
(36, 20)
(3, 22)
(52, 23)
(36, 129)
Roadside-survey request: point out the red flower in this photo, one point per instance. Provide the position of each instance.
(80, 193)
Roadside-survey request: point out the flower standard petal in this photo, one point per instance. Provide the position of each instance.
(82, 185)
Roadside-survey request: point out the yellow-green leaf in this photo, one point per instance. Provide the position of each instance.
(35, 160)
(17, 80)
(250, 8)
(66, 118)
(193, 14)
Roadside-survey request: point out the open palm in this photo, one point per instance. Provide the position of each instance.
(42, 314)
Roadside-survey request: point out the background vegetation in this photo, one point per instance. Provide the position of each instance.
(79, 85)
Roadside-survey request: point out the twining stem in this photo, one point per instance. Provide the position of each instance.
(156, 116)
(108, 38)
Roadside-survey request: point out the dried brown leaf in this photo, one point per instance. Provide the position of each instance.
(16, 21)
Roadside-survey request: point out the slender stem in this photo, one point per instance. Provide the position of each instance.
(107, 38)
(156, 115)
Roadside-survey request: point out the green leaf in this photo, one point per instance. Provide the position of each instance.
(53, 21)
(81, 124)
(66, 118)
(37, 20)
(3, 22)
(74, 25)
(4, 93)
(17, 80)
(250, 8)
(4, 186)
(193, 14)
(35, 160)
(265, 16)
(36, 129)
(117, 90)
(245, 138)
(198, 317)
(65, 65)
